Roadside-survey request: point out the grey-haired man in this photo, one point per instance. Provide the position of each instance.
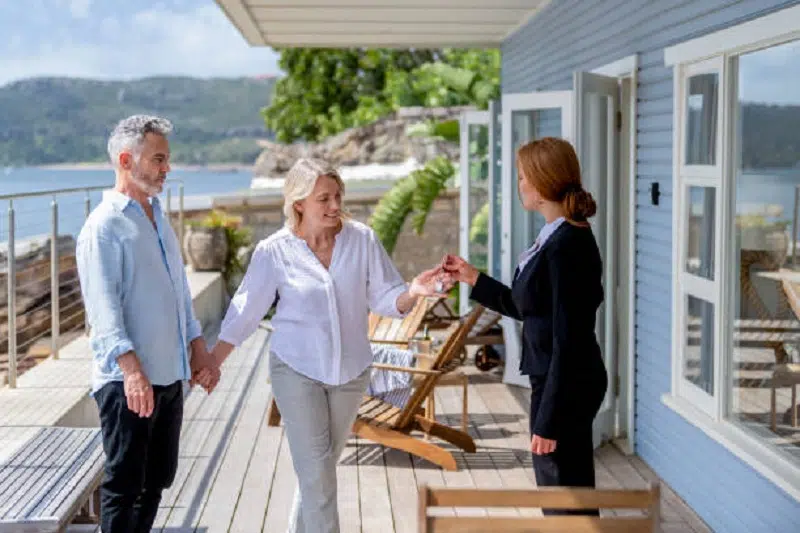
(143, 327)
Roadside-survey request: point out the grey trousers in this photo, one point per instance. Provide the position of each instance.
(318, 420)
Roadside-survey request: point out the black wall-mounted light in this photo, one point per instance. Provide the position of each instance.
(655, 193)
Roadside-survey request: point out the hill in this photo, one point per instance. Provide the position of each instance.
(67, 120)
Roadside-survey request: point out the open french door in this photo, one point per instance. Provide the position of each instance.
(597, 105)
(526, 117)
(474, 200)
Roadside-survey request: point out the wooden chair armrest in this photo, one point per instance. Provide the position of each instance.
(390, 342)
(418, 371)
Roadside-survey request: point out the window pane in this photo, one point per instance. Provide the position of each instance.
(526, 126)
(497, 201)
(766, 330)
(701, 119)
(700, 244)
(478, 152)
(698, 360)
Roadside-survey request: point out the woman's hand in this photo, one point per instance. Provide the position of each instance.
(432, 282)
(460, 270)
(542, 446)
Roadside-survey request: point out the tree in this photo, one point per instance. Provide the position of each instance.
(326, 91)
(438, 83)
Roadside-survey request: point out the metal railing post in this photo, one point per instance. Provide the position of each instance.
(11, 272)
(55, 312)
(794, 223)
(87, 210)
(180, 215)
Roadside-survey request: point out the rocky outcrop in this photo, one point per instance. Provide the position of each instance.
(383, 142)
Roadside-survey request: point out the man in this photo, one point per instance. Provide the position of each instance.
(142, 326)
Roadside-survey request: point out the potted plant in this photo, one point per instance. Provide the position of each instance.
(213, 244)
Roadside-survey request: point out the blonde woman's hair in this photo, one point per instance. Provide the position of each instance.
(299, 183)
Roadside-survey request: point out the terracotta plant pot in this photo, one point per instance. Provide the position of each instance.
(205, 248)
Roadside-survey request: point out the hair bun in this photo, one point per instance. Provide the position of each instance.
(579, 204)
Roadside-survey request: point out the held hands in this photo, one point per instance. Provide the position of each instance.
(459, 270)
(205, 370)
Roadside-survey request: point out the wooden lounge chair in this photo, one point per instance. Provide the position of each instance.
(384, 329)
(389, 425)
(547, 497)
(385, 423)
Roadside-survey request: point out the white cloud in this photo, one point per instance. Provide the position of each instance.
(80, 8)
(154, 41)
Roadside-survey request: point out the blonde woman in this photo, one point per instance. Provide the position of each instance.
(329, 272)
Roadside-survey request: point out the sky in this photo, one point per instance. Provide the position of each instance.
(124, 39)
(771, 75)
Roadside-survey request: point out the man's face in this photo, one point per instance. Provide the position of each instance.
(149, 173)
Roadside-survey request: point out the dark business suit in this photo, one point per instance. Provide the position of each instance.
(556, 296)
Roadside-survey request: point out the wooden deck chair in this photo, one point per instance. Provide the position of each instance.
(646, 500)
(399, 330)
(439, 315)
(384, 423)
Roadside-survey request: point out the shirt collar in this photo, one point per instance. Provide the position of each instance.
(548, 229)
(121, 201)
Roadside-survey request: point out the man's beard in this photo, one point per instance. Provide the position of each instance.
(150, 189)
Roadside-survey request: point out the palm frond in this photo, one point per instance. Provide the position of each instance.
(430, 180)
(391, 212)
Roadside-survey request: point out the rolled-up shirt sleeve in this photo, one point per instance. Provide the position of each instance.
(253, 298)
(100, 264)
(384, 282)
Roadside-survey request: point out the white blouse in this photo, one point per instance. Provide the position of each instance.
(320, 323)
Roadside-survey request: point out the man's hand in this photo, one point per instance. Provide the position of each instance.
(205, 370)
(138, 390)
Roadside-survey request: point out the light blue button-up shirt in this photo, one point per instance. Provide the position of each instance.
(135, 291)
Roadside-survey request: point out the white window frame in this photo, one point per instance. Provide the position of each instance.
(718, 50)
(687, 284)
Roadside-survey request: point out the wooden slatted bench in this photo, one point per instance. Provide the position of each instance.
(49, 479)
(644, 500)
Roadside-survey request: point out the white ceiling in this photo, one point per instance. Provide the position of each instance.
(378, 23)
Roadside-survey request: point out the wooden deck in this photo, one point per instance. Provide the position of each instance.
(236, 475)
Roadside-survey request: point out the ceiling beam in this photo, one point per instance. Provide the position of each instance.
(283, 28)
(381, 40)
(416, 4)
(392, 14)
(241, 17)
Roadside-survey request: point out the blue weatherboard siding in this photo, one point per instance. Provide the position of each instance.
(572, 35)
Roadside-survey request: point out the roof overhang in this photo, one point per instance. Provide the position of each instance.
(379, 23)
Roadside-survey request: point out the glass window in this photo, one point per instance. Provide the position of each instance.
(497, 207)
(700, 244)
(526, 126)
(701, 119)
(766, 265)
(478, 153)
(698, 359)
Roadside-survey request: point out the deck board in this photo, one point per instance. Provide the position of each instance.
(237, 472)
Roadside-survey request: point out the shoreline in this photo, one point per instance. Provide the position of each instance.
(211, 167)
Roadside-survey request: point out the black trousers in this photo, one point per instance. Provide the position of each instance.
(572, 462)
(141, 456)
